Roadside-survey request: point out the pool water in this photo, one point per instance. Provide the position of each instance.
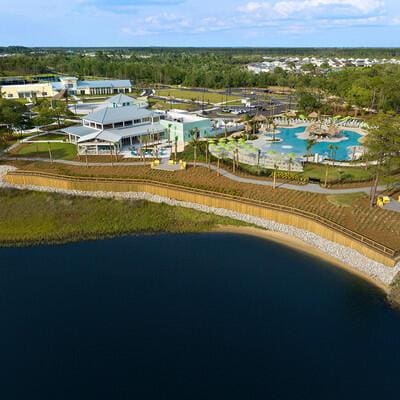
(292, 144)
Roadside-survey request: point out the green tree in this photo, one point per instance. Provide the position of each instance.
(383, 146)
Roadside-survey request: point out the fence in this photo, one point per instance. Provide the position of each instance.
(280, 213)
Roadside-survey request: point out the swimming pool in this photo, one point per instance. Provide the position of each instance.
(292, 144)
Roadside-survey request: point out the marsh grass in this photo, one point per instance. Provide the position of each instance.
(28, 217)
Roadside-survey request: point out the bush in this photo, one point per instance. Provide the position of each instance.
(291, 176)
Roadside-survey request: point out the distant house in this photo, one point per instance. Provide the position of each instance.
(38, 88)
(115, 126)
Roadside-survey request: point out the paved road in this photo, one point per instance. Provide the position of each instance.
(312, 188)
(393, 206)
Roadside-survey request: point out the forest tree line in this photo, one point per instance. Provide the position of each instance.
(376, 87)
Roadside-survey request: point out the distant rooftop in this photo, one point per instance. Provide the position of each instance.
(115, 83)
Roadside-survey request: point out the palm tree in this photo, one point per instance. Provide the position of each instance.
(275, 168)
(195, 133)
(176, 147)
(169, 133)
(290, 163)
(258, 161)
(336, 148)
(310, 144)
(331, 147)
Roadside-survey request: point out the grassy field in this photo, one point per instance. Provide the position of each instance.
(163, 105)
(344, 174)
(375, 223)
(34, 217)
(209, 97)
(60, 151)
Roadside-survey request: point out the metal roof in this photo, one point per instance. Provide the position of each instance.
(109, 115)
(115, 135)
(106, 83)
(120, 99)
(79, 130)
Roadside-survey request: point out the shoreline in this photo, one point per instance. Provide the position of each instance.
(299, 245)
(301, 239)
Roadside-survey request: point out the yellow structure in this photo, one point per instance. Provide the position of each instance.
(382, 200)
(28, 91)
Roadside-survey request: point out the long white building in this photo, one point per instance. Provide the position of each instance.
(72, 85)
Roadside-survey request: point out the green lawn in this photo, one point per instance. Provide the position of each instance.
(344, 174)
(162, 104)
(209, 97)
(33, 217)
(64, 151)
(51, 136)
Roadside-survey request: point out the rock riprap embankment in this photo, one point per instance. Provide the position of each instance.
(350, 257)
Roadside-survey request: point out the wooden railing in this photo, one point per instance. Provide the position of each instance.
(372, 244)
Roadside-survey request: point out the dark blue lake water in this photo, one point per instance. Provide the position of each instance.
(209, 316)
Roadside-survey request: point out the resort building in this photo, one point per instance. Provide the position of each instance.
(179, 124)
(117, 128)
(38, 88)
(27, 91)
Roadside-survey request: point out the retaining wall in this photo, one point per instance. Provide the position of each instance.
(281, 214)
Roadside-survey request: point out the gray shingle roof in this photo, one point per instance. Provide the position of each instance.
(119, 114)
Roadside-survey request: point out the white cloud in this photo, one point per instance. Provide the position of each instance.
(291, 7)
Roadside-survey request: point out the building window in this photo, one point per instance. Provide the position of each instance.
(137, 121)
(156, 119)
(147, 119)
(118, 125)
(108, 126)
(98, 126)
(10, 95)
(128, 123)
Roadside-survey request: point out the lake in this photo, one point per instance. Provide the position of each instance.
(202, 316)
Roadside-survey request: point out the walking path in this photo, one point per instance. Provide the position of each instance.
(310, 187)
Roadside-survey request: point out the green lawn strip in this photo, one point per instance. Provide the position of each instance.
(344, 174)
(60, 151)
(50, 136)
(33, 217)
(164, 105)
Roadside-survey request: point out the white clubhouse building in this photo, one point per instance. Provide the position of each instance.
(119, 123)
(71, 85)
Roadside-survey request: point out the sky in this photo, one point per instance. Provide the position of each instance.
(210, 23)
